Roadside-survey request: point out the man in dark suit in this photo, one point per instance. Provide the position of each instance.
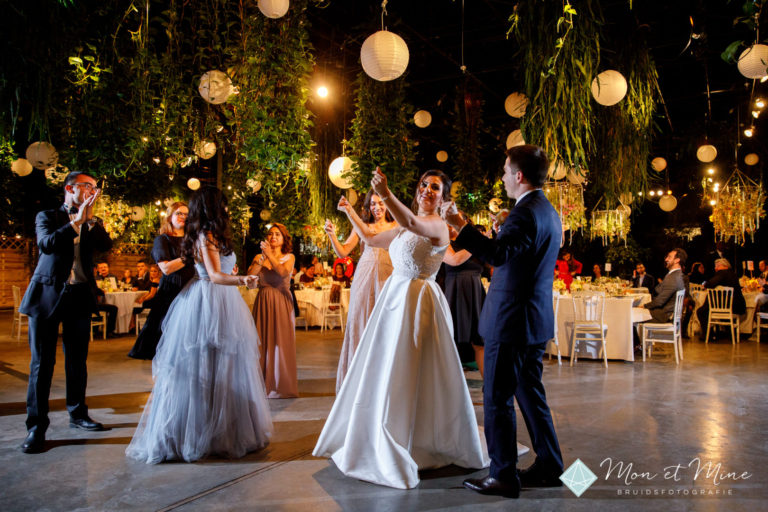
(142, 277)
(60, 292)
(662, 307)
(724, 276)
(640, 279)
(516, 323)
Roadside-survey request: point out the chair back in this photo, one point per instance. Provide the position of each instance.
(16, 297)
(677, 319)
(588, 306)
(720, 299)
(332, 295)
(693, 287)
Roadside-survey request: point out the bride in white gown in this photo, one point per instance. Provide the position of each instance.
(404, 405)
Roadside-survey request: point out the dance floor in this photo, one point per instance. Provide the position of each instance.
(666, 421)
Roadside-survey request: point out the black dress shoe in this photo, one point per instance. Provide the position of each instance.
(85, 424)
(490, 485)
(536, 476)
(33, 443)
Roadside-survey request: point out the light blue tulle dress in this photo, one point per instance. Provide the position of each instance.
(208, 396)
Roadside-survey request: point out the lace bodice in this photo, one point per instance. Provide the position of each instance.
(414, 256)
(227, 263)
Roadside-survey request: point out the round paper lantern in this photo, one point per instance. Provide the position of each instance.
(494, 205)
(750, 159)
(441, 156)
(42, 155)
(193, 183)
(265, 214)
(609, 87)
(557, 170)
(137, 213)
(273, 8)
(205, 149)
(254, 185)
(515, 138)
(668, 203)
(170, 162)
(456, 189)
(753, 61)
(422, 118)
(215, 87)
(624, 209)
(658, 164)
(22, 167)
(577, 178)
(515, 104)
(626, 198)
(352, 197)
(337, 169)
(706, 153)
(384, 56)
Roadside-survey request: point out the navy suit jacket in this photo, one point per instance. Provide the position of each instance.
(518, 307)
(56, 241)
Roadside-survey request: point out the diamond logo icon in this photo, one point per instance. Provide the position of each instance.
(578, 477)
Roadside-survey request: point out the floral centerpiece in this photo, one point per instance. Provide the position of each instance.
(750, 284)
(558, 285)
(609, 225)
(319, 282)
(568, 200)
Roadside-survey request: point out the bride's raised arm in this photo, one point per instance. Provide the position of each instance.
(430, 226)
(381, 240)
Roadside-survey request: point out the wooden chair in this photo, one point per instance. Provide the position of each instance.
(588, 324)
(556, 307)
(18, 317)
(720, 312)
(331, 309)
(667, 332)
(99, 319)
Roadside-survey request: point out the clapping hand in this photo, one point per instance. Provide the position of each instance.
(343, 205)
(251, 282)
(329, 228)
(379, 183)
(267, 250)
(85, 210)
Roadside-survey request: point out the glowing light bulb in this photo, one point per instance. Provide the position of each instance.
(669, 192)
(755, 114)
(711, 170)
(759, 103)
(749, 132)
(651, 193)
(712, 202)
(660, 192)
(764, 79)
(322, 91)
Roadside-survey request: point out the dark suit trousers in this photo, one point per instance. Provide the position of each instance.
(43, 335)
(514, 372)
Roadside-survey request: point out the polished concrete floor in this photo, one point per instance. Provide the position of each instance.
(666, 421)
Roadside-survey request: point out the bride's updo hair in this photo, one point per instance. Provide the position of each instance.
(207, 215)
(446, 181)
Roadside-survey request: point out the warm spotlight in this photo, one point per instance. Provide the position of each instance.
(322, 91)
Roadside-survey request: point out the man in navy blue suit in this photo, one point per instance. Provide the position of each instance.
(516, 323)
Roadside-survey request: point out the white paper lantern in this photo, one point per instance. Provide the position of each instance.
(205, 149)
(22, 167)
(494, 205)
(456, 190)
(193, 183)
(658, 164)
(42, 155)
(336, 171)
(273, 8)
(753, 61)
(384, 56)
(516, 104)
(624, 210)
(706, 153)
(138, 213)
(422, 118)
(751, 159)
(626, 198)
(515, 138)
(577, 178)
(609, 87)
(668, 203)
(352, 197)
(441, 156)
(265, 215)
(215, 87)
(557, 170)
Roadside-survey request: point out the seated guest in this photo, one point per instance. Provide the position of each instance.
(348, 265)
(319, 269)
(107, 280)
(308, 276)
(597, 272)
(762, 267)
(662, 307)
(109, 309)
(698, 273)
(142, 277)
(146, 300)
(339, 275)
(567, 267)
(127, 278)
(298, 273)
(724, 276)
(640, 279)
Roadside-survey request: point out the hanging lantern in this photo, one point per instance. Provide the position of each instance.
(42, 155)
(609, 87)
(456, 189)
(568, 199)
(668, 202)
(422, 118)
(576, 177)
(626, 210)
(205, 149)
(336, 171)
(515, 138)
(22, 167)
(442, 156)
(215, 87)
(384, 56)
(254, 185)
(751, 159)
(273, 8)
(557, 170)
(193, 183)
(658, 164)
(706, 153)
(494, 205)
(736, 208)
(609, 225)
(516, 104)
(170, 162)
(265, 214)
(626, 198)
(138, 213)
(352, 196)
(753, 61)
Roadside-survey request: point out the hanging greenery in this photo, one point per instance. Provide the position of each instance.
(380, 136)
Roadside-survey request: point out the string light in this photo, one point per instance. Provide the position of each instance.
(711, 170)
(322, 91)
(749, 132)
(759, 103)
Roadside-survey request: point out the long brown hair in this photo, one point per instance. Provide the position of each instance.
(366, 214)
(207, 215)
(446, 181)
(166, 228)
(287, 246)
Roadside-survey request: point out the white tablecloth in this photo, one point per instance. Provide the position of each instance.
(125, 302)
(313, 298)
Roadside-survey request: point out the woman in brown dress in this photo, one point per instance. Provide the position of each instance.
(274, 315)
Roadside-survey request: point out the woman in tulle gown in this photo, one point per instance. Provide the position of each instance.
(274, 315)
(372, 271)
(208, 396)
(404, 404)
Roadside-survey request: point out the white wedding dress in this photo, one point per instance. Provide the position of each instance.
(404, 404)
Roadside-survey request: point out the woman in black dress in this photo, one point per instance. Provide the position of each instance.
(167, 253)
